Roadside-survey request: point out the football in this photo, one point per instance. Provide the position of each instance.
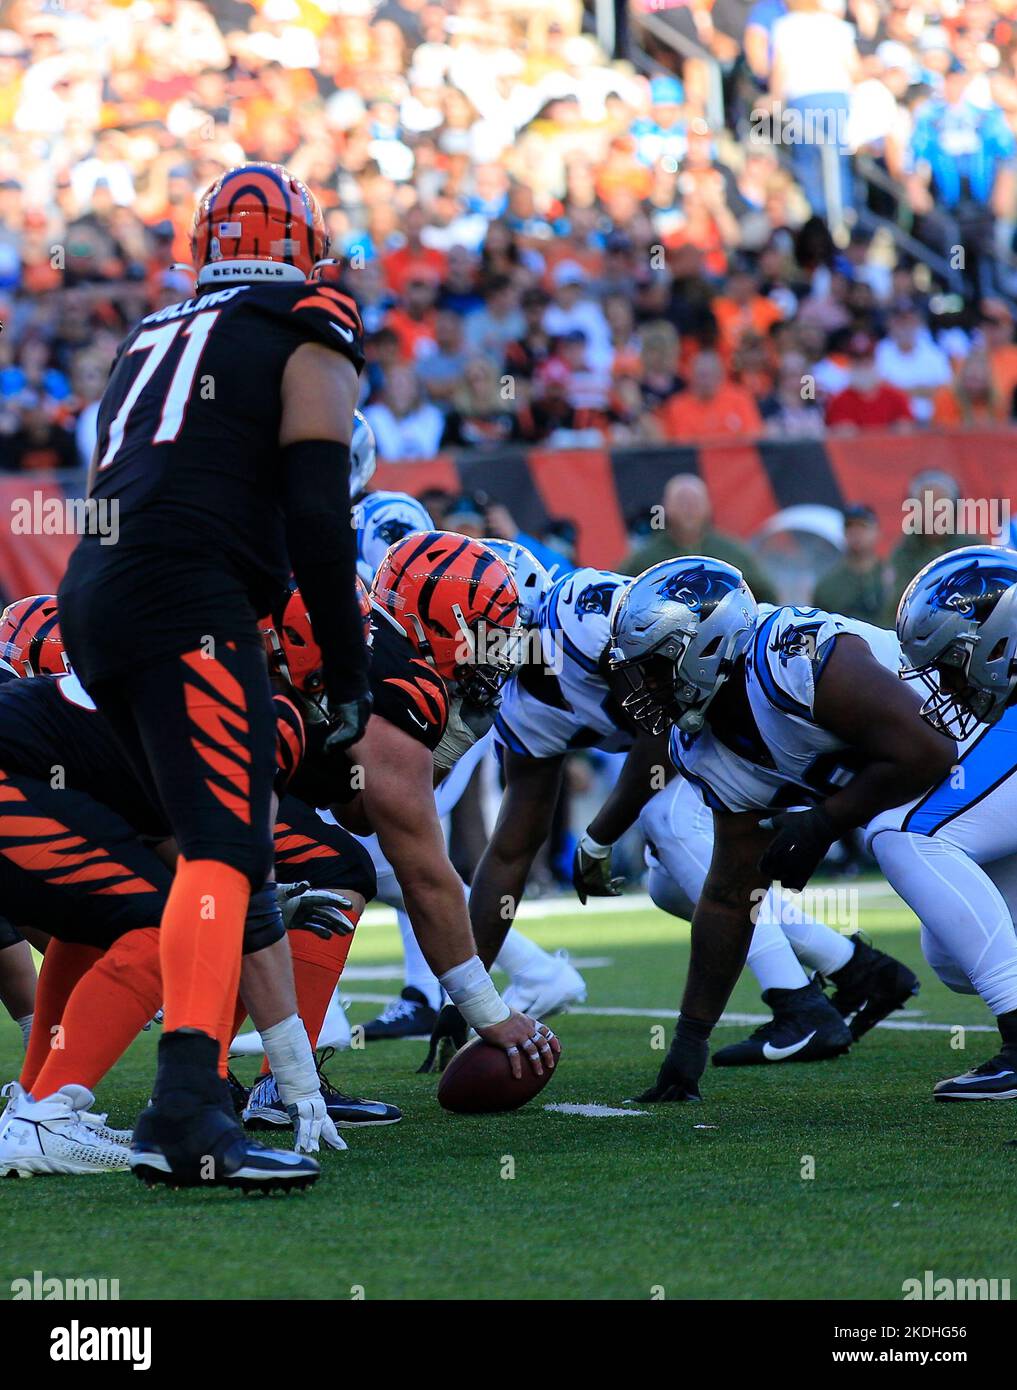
(479, 1081)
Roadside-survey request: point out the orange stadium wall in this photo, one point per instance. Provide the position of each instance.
(603, 490)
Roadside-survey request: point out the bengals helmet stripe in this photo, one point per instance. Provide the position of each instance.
(30, 636)
(257, 213)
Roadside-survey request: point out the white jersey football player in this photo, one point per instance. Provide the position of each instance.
(568, 701)
(797, 727)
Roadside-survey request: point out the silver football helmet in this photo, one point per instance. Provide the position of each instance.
(957, 624)
(363, 455)
(675, 636)
(532, 579)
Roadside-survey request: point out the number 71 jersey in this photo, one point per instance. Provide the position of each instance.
(188, 425)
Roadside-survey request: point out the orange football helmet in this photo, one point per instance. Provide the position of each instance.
(458, 604)
(293, 654)
(30, 637)
(257, 222)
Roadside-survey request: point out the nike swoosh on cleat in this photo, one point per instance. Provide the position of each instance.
(976, 1080)
(778, 1054)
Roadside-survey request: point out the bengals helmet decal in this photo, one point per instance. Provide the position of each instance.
(30, 638)
(458, 605)
(257, 222)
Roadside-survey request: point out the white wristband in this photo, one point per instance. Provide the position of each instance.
(593, 847)
(472, 990)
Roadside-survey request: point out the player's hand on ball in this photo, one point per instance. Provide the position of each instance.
(523, 1037)
(311, 1124)
(447, 1037)
(799, 846)
(591, 871)
(678, 1078)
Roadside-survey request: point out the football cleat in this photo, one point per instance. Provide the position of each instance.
(239, 1093)
(265, 1109)
(52, 1135)
(409, 1016)
(804, 1028)
(995, 1079)
(870, 987)
(548, 991)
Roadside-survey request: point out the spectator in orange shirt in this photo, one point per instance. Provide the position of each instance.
(997, 330)
(712, 405)
(742, 309)
(973, 398)
(413, 320)
(413, 258)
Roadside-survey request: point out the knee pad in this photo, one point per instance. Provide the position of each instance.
(263, 925)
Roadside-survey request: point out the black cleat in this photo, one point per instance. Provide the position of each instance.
(265, 1109)
(870, 987)
(409, 1016)
(995, 1079)
(189, 1137)
(804, 1028)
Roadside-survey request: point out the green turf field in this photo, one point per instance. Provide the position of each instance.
(688, 1201)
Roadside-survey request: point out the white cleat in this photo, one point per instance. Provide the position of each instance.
(56, 1135)
(548, 991)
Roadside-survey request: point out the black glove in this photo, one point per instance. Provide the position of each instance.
(799, 846)
(347, 723)
(591, 873)
(678, 1078)
(447, 1037)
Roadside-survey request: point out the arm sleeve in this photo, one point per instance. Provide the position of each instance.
(322, 545)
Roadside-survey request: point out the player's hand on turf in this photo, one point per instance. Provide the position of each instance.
(678, 1078)
(800, 845)
(447, 1037)
(311, 1124)
(591, 871)
(347, 723)
(318, 910)
(524, 1037)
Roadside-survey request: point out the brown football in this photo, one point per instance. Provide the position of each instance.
(479, 1081)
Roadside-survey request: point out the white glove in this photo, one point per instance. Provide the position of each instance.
(312, 1122)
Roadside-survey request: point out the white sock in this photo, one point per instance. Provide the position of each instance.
(25, 1024)
(965, 919)
(521, 956)
(418, 973)
(770, 957)
(815, 944)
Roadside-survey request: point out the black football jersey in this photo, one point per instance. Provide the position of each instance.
(188, 454)
(50, 729)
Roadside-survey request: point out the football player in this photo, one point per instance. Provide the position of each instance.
(223, 440)
(541, 983)
(446, 638)
(568, 701)
(796, 727)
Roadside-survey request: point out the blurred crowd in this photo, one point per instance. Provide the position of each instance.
(547, 246)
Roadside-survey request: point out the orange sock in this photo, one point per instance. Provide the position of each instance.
(200, 944)
(63, 965)
(106, 1011)
(317, 966)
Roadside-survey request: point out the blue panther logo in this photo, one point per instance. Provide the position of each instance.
(972, 591)
(394, 530)
(697, 588)
(595, 598)
(796, 641)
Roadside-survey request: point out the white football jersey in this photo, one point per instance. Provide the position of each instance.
(799, 763)
(566, 702)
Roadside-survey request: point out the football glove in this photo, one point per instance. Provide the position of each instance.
(591, 871)
(346, 723)
(311, 1124)
(678, 1078)
(799, 846)
(447, 1037)
(467, 722)
(319, 910)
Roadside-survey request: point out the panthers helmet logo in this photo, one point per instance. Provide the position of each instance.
(699, 589)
